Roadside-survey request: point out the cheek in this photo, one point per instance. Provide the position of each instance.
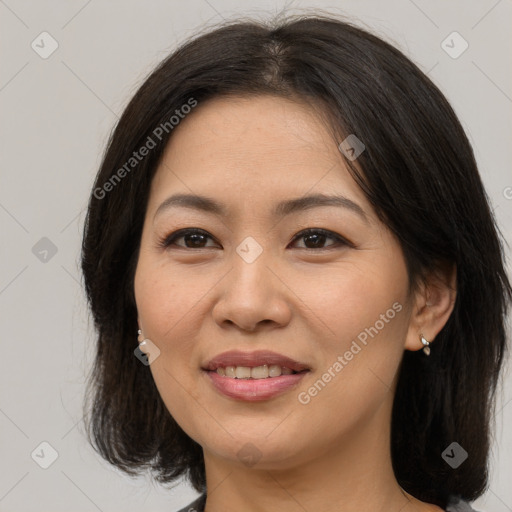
(168, 304)
(162, 305)
(366, 308)
(351, 299)
(358, 371)
(163, 301)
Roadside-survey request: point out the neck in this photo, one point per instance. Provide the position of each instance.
(352, 474)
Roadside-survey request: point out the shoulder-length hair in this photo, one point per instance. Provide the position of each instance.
(419, 173)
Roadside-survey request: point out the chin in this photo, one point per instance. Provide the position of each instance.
(259, 451)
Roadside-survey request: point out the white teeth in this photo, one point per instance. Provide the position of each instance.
(274, 370)
(257, 372)
(242, 372)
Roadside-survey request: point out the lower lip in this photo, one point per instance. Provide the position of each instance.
(254, 390)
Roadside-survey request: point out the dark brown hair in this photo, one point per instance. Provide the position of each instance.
(418, 172)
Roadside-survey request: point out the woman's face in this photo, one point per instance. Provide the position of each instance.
(250, 281)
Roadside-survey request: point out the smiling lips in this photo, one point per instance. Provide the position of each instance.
(254, 376)
(254, 359)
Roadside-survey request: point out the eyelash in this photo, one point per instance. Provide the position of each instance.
(169, 240)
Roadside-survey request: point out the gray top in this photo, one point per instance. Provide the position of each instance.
(196, 506)
(455, 504)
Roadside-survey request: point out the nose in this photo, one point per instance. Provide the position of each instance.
(252, 296)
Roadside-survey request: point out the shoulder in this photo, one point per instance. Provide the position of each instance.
(457, 504)
(196, 506)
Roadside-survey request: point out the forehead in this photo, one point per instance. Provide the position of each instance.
(253, 148)
(241, 127)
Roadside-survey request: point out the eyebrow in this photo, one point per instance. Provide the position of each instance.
(287, 207)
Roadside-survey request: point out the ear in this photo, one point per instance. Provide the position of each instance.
(432, 305)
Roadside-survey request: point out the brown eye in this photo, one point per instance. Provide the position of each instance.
(316, 238)
(193, 239)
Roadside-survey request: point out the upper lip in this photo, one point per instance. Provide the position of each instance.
(251, 359)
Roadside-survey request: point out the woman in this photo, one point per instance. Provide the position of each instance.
(291, 222)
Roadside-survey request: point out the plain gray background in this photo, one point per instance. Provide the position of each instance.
(57, 113)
